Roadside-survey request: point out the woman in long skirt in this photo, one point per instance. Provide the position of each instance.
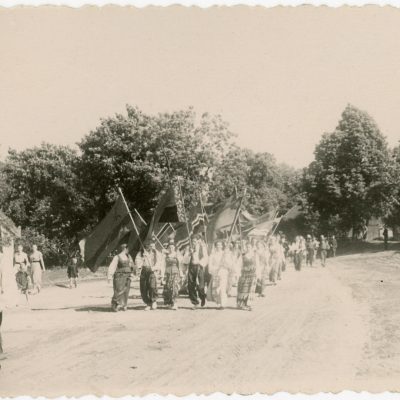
(21, 267)
(213, 266)
(235, 267)
(263, 270)
(37, 265)
(274, 260)
(299, 250)
(172, 276)
(248, 279)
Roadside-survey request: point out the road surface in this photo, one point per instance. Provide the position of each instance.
(321, 329)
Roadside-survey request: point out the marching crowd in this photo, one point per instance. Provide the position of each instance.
(249, 265)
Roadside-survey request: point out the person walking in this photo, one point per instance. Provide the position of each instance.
(37, 266)
(73, 272)
(22, 272)
(309, 251)
(385, 237)
(248, 278)
(172, 276)
(121, 270)
(148, 260)
(323, 248)
(274, 260)
(196, 258)
(263, 271)
(220, 263)
(299, 248)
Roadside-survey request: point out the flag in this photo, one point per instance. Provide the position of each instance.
(181, 236)
(249, 222)
(265, 228)
(222, 219)
(108, 235)
(170, 209)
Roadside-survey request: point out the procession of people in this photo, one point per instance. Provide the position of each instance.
(249, 265)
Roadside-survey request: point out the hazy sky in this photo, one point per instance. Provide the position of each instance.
(281, 77)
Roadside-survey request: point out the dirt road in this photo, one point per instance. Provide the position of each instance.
(317, 330)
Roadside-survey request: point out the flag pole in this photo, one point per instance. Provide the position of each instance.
(140, 217)
(203, 211)
(240, 228)
(130, 215)
(184, 210)
(236, 217)
(137, 213)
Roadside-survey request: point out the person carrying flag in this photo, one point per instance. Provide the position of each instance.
(196, 258)
(121, 270)
(148, 260)
(172, 261)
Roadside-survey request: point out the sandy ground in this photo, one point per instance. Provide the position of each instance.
(317, 330)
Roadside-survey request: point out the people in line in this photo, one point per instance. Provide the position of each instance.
(250, 266)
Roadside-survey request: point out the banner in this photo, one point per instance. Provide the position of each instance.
(108, 235)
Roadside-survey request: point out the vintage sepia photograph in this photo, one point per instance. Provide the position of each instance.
(199, 200)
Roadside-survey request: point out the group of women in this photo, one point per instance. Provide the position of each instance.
(28, 270)
(248, 265)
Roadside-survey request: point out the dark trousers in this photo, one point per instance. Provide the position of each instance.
(1, 342)
(122, 286)
(310, 257)
(196, 280)
(298, 260)
(148, 286)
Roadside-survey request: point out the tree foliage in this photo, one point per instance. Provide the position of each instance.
(351, 179)
(57, 194)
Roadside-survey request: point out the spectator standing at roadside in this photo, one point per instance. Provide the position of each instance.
(385, 237)
(333, 244)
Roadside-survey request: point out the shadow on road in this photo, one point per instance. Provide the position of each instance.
(359, 247)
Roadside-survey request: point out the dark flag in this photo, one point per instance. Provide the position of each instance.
(108, 235)
(169, 209)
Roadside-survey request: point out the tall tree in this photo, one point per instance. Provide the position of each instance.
(43, 193)
(351, 178)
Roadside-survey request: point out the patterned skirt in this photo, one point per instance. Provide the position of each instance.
(22, 281)
(171, 287)
(246, 288)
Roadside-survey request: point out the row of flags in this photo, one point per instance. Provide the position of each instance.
(170, 220)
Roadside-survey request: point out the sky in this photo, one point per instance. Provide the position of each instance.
(281, 76)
